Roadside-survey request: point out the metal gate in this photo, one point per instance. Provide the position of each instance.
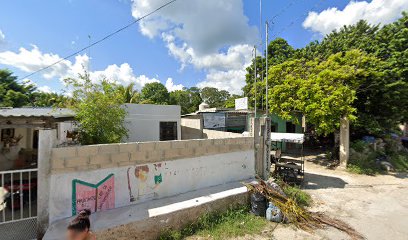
(18, 204)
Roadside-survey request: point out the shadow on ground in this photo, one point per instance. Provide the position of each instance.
(315, 181)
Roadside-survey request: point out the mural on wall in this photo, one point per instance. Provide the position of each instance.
(95, 197)
(146, 181)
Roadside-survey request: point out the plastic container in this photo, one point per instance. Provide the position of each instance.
(273, 213)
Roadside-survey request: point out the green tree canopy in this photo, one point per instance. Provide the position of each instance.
(18, 94)
(188, 99)
(214, 97)
(382, 96)
(129, 93)
(12, 93)
(99, 110)
(155, 93)
(324, 91)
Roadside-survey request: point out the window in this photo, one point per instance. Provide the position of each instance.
(168, 131)
(290, 127)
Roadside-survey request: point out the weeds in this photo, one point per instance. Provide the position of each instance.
(301, 198)
(233, 223)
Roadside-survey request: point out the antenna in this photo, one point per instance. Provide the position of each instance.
(89, 54)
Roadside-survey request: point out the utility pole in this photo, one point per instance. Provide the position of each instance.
(266, 59)
(255, 77)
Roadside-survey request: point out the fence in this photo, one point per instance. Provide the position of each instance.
(18, 204)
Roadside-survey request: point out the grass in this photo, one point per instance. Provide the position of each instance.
(232, 223)
(400, 161)
(363, 164)
(302, 198)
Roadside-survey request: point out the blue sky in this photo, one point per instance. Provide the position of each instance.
(189, 43)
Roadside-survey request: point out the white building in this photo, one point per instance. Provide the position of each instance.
(147, 122)
(20, 127)
(19, 133)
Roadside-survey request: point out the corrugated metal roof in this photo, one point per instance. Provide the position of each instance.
(36, 112)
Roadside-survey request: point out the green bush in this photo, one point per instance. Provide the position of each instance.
(400, 161)
(363, 163)
(359, 146)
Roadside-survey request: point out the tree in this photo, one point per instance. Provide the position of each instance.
(195, 98)
(98, 110)
(155, 93)
(279, 51)
(12, 93)
(214, 97)
(182, 98)
(42, 99)
(380, 101)
(323, 91)
(230, 103)
(189, 99)
(129, 93)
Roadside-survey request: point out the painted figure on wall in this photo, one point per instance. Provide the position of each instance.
(145, 182)
(96, 197)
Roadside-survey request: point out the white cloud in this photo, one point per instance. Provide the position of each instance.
(33, 60)
(2, 37)
(122, 74)
(206, 25)
(232, 80)
(212, 35)
(375, 12)
(171, 87)
(45, 89)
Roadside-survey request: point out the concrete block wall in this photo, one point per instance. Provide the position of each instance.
(191, 128)
(213, 134)
(101, 177)
(85, 158)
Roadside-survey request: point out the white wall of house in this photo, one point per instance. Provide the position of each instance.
(143, 121)
(63, 128)
(7, 159)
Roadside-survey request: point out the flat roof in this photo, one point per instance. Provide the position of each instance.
(36, 112)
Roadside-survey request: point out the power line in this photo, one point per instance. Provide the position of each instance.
(283, 10)
(100, 40)
(297, 19)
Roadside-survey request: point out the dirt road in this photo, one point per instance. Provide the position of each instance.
(376, 206)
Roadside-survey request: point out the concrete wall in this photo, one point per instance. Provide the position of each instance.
(213, 134)
(125, 174)
(143, 121)
(191, 128)
(62, 130)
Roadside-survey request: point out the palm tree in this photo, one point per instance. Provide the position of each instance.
(129, 93)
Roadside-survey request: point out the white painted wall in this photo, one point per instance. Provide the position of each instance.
(7, 159)
(178, 176)
(143, 121)
(63, 128)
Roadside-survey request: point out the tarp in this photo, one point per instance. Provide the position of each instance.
(288, 137)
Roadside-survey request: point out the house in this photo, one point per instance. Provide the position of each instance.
(218, 119)
(20, 131)
(148, 122)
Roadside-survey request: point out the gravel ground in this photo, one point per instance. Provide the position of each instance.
(376, 206)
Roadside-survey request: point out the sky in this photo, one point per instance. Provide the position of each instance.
(188, 43)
